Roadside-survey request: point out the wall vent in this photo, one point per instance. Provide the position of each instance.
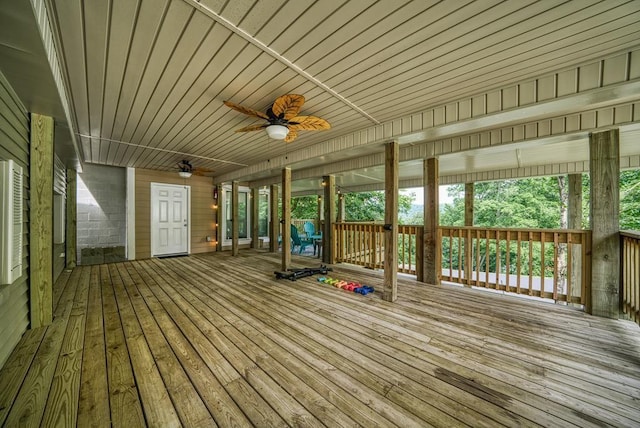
(10, 221)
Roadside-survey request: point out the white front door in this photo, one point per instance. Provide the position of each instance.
(169, 219)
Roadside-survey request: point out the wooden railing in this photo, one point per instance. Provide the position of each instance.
(630, 255)
(554, 264)
(363, 244)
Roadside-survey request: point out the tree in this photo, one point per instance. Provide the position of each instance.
(304, 207)
(369, 206)
(360, 206)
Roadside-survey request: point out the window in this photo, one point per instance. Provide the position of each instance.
(244, 216)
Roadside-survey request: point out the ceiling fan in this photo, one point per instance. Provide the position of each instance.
(282, 118)
(186, 169)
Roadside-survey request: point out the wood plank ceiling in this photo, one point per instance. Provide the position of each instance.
(147, 78)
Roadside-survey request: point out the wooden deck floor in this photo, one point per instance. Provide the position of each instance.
(215, 340)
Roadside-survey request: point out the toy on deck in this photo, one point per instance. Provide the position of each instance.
(293, 274)
(355, 287)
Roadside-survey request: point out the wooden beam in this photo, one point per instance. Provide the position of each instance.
(390, 291)
(255, 214)
(71, 219)
(432, 265)
(468, 241)
(41, 221)
(329, 201)
(341, 208)
(274, 221)
(320, 219)
(468, 204)
(604, 166)
(574, 221)
(235, 223)
(286, 216)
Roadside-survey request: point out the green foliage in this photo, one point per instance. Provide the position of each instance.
(630, 200)
(361, 206)
(531, 203)
(304, 207)
(369, 206)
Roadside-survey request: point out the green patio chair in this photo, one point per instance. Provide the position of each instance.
(297, 241)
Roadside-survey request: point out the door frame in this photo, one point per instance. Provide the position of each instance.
(226, 243)
(151, 225)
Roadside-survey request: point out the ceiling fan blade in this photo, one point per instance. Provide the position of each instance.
(251, 128)
(246, 110)
(290, 136)
(308, 123)
(287, 106)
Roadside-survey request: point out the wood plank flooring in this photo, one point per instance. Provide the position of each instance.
(215, 340)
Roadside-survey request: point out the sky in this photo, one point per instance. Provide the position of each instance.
(443, 197)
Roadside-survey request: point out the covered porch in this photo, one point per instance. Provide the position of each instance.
(215, 339)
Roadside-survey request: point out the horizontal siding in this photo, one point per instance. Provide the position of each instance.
(14, 144)
(203, 217)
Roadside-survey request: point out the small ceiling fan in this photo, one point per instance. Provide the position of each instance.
(186, 169)
(282, 118)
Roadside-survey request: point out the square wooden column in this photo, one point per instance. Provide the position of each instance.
(574, 221)
(286, 217)
(329, 200)
(431, 258)
(341, 208)
(274, 220)
(468, 240)
(604, 167)
(41, 221)
(255, 214)
(235, 224)
(71, 220)
(390, 291)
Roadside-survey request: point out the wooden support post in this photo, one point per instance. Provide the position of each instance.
(320, 216)
(41, 221)
(468, 204)
(574, 221)
(329, 199)
(235, 223)
(286, 216)
(71, 219)
(274, 220)
(431, 243)
(604, 167)
(468, 241)
(255, 214)
(390, 291)
(341, 208)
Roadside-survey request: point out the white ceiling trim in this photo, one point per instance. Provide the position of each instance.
(44, 24)
(159, 149)
(257, 43)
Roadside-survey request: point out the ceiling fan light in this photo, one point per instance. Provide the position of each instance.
(184, 174)
(277, 132)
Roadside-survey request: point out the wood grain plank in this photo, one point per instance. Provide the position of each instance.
(62, 405)
(30, 402)
(156, 403)
(124, 401)
(189, 406)
(247, 350)
(93, 401)
(228, 375)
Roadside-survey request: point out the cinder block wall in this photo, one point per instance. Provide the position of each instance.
(101, 214)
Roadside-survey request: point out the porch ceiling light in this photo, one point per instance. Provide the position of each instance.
(277, 132)
(184, 174)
